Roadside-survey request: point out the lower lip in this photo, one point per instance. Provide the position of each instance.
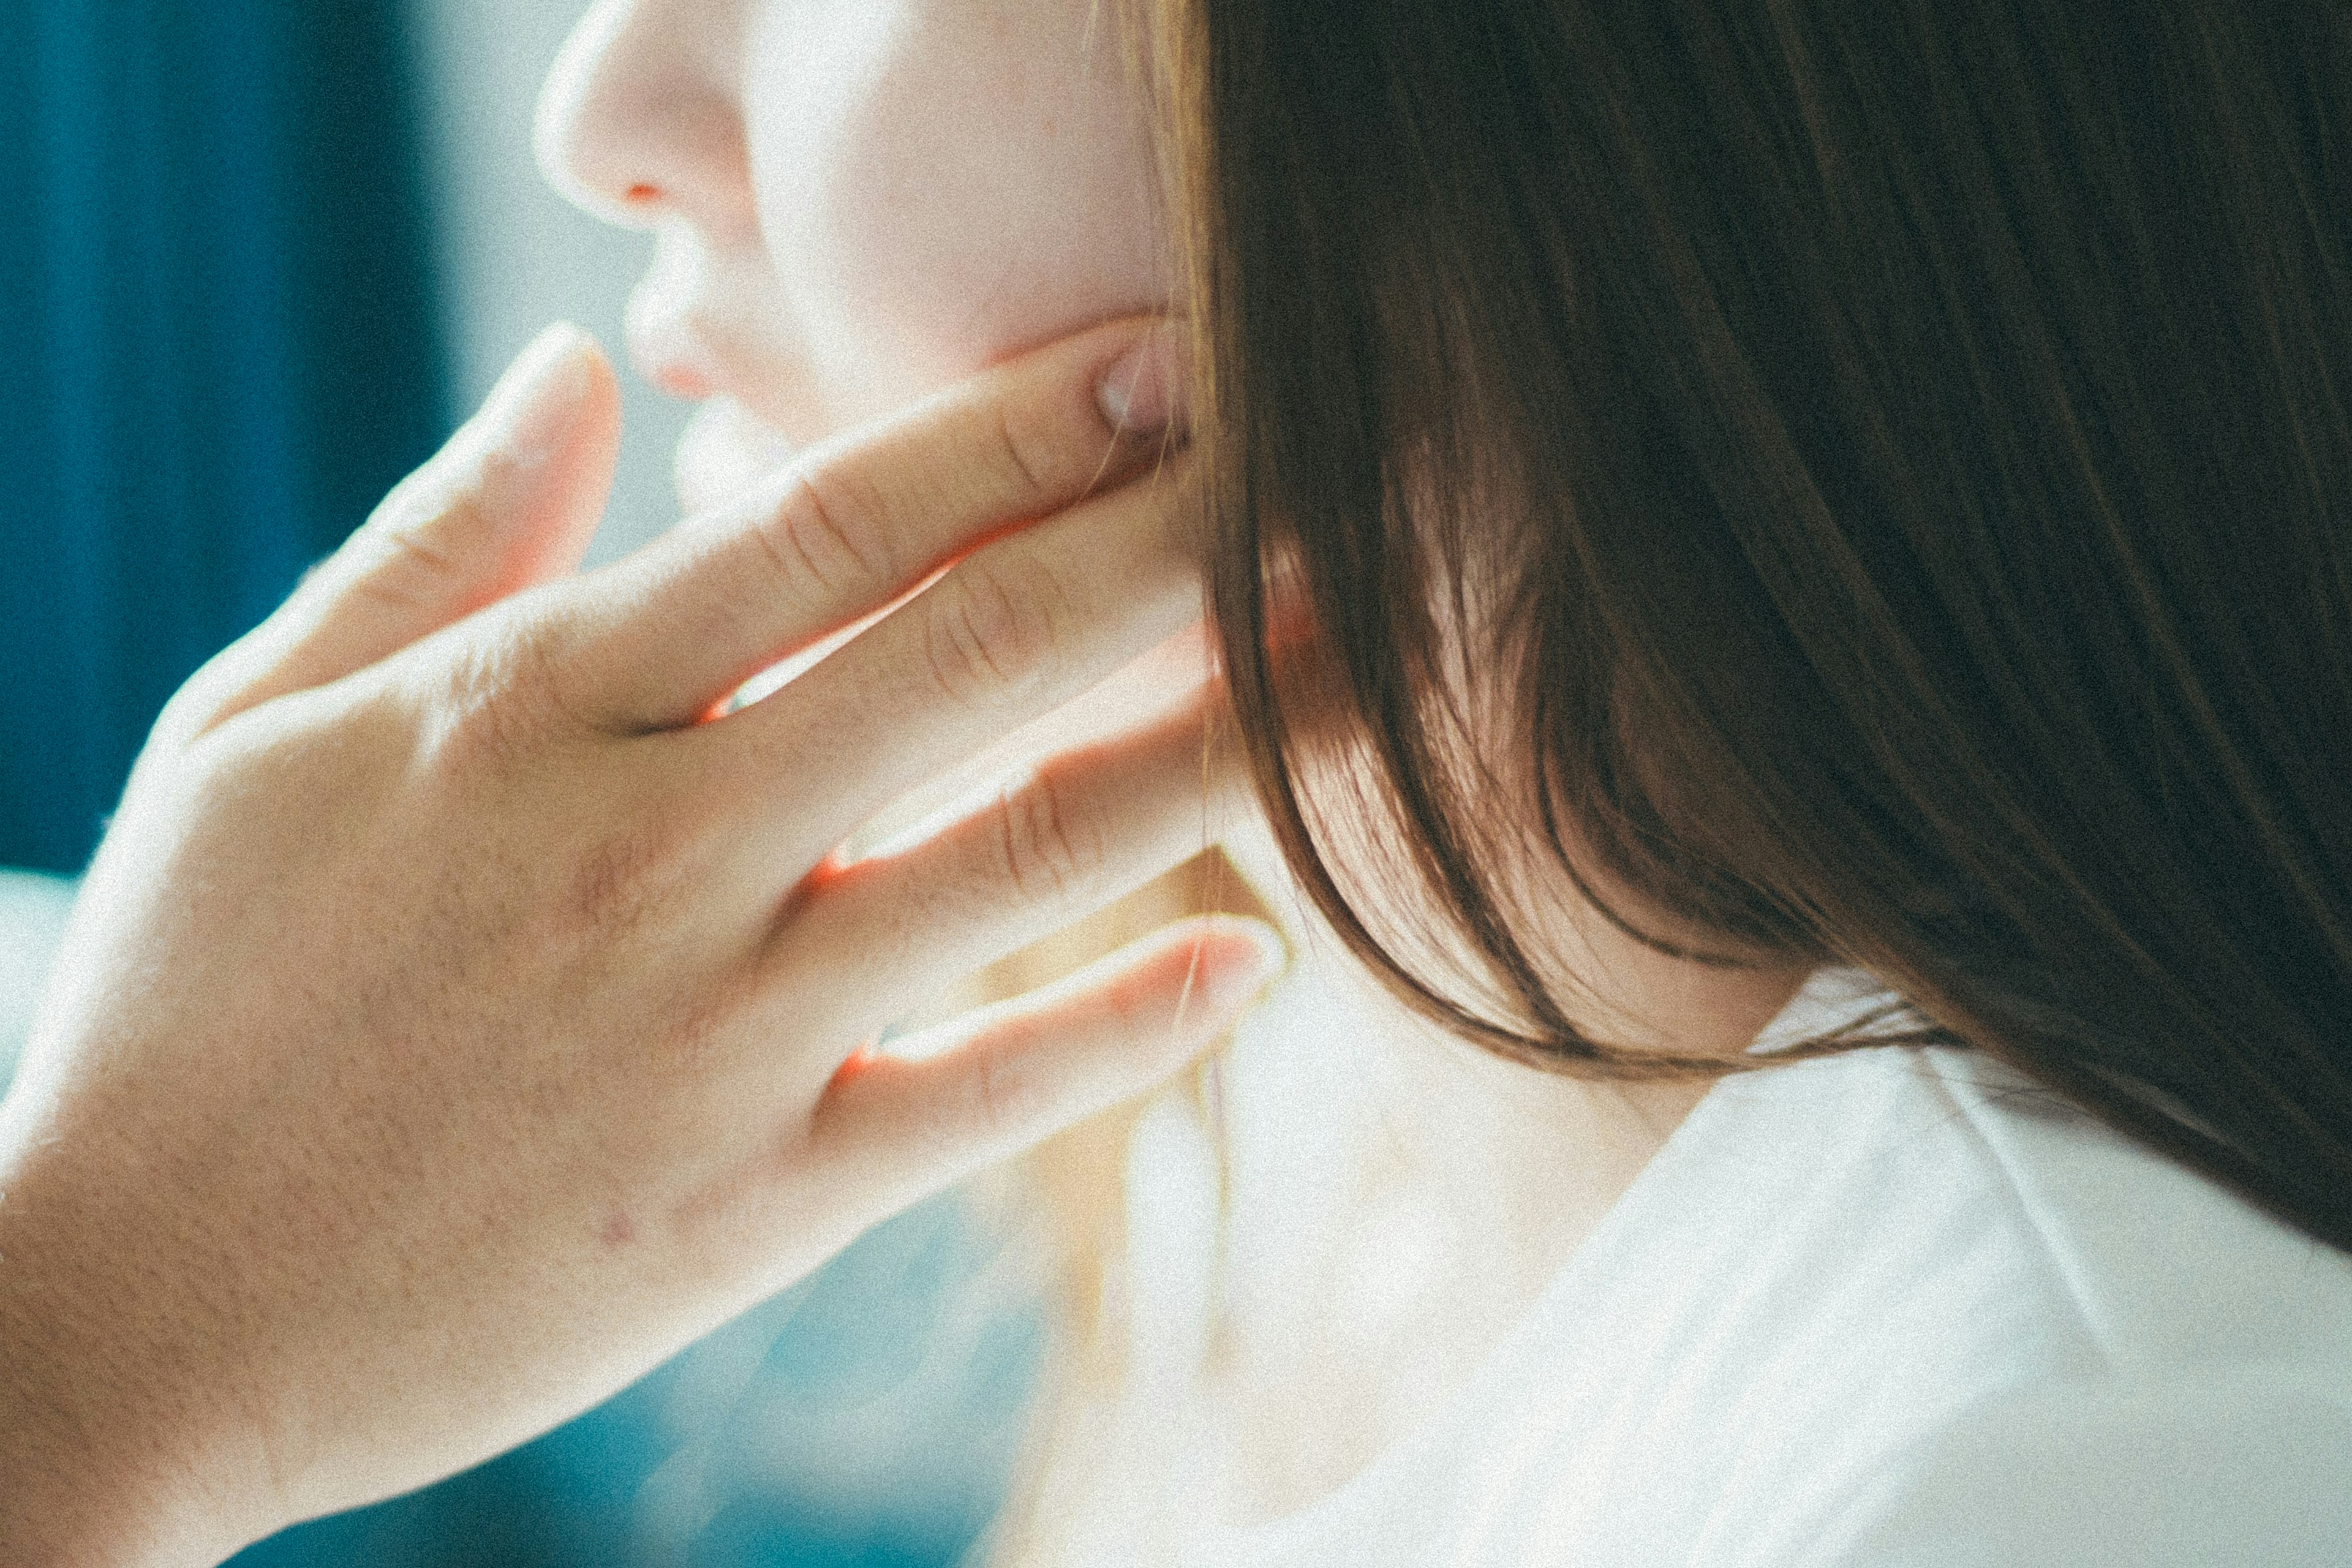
(725, 451)
(682, 382)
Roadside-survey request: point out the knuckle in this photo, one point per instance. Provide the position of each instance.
(831, 533)
(1024, 448)
(417, 540)
(543, 680)
(988, 634)
(632, 883)
(618, 885)
(1045, 851)
(410, 571)
(500, 697)
(1003, 1095)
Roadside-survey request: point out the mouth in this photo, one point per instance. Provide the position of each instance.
(677, 344)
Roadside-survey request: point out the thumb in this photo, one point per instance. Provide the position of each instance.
(955, 1100)
(512, 501)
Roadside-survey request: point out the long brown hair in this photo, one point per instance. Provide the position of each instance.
(1832, 480)
(1891, 465)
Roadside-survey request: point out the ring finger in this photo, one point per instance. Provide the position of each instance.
(1079, 830)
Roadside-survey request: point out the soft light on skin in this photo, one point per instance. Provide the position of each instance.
(858, 202)
(854, 204)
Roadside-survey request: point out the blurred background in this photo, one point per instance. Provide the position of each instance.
(256, 259)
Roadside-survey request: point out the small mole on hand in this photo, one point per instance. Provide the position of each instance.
(619, 1229)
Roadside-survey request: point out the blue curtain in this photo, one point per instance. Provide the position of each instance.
(217, 347)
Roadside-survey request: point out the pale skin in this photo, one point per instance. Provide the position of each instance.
(448, 966)
(856, 203)
(443, 973)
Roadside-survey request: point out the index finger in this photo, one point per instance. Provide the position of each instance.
(853, 526)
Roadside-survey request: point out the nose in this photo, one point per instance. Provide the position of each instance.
(641, 119)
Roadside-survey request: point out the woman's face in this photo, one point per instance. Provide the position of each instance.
(857, 202)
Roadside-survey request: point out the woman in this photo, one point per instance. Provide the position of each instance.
(1710, 501)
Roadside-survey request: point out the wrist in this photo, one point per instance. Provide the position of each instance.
(96, 1467)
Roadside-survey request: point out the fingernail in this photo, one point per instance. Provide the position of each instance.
(530, 408)
(1139, 391)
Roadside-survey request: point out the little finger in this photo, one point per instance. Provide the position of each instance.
(944, 1104)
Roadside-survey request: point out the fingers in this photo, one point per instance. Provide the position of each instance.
(1016, 629)
(972, 1092)
(855, 525)
(1081, 829)
(511, 501)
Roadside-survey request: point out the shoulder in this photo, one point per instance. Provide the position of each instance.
(1906, 1172)
(1967, 1237)
(2162, 1272)
(2050, 1344)
(2247, 1468)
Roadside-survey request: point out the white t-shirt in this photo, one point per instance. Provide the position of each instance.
(1899, 1309)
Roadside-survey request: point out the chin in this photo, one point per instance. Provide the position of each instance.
(726, 450)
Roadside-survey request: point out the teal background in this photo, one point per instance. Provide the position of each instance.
(217, 347)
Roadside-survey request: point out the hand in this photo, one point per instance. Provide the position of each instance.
(459, 1018)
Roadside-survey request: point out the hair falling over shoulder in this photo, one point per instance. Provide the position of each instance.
(1864, 481)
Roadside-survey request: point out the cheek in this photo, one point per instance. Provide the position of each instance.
(937, 193)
